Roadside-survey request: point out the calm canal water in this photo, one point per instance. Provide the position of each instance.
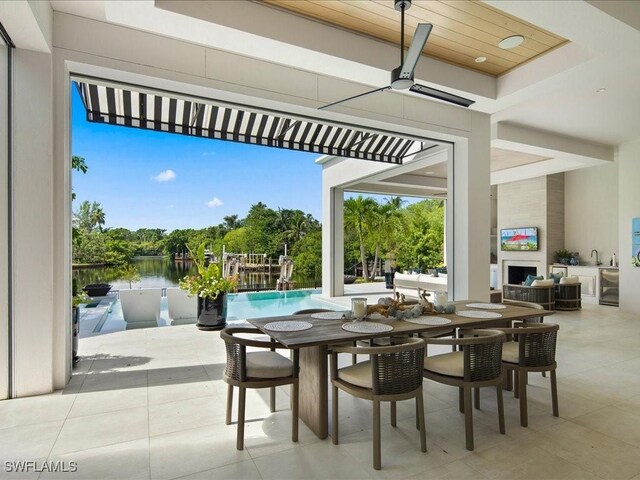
(159, 272)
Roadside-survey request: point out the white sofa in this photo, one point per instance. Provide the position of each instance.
(413, 284)
(181, 305)
(141, 305)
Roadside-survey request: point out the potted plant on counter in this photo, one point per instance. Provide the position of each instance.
(211, 288)
(563, 256)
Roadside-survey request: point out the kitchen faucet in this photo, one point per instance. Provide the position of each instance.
(598, 262)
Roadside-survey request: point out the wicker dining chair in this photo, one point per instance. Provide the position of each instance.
(533, 350)
(392, 374)
(260, 369)
(479, 364)
(518, 303)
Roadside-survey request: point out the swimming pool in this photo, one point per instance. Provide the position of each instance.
(107, 317)
(270, 304)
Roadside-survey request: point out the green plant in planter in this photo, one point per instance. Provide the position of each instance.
(563, 255)
(79, 299)
(209, 282)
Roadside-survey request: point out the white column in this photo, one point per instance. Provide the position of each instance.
(4, 222)
(33, 251)
(332, 241)
(469, 213)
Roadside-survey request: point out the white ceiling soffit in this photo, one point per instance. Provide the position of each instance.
(555, 92)
(255, 30)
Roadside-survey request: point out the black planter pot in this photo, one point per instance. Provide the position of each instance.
(75, 332)
(97, 289)
(212, 314)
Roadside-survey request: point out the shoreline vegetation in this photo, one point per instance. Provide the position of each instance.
(412, 237)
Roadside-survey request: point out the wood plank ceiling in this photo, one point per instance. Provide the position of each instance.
(463, 30)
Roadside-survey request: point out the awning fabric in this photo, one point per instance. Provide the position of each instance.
(163, 112)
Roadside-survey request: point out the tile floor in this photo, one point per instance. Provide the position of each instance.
(149, 404)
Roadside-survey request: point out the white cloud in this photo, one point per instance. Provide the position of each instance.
(165, 176)
(214, 202)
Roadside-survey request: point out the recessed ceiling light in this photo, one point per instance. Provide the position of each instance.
(429, 173)
(511, 42)
(601, 90)
(481, 59)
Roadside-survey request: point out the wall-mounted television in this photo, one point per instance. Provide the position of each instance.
(519, 239)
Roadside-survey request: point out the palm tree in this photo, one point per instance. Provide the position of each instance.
(97, 216)
(386, 222)
(359, 216)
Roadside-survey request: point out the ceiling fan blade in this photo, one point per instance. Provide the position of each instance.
(415, 49)
(354, 97)
(440, 95)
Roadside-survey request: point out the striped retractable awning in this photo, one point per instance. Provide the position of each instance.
(166, 113)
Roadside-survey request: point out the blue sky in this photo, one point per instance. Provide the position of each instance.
(150, 179)
(124, 163)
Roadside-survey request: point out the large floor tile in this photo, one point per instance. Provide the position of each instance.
(92, 431)
(245, 470)
(191, 451)
(595, 452)
(614, 422)
(28, 442)
(34, 410)
(128, 460)
(185, 414)
(103, 401)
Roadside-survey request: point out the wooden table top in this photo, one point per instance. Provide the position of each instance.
(328, 332)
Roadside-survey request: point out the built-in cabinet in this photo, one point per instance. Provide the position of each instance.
(589, 277)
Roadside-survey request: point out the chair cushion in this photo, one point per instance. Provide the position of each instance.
(569, 281)
(510, 352)
(542, 283)
(358, 374)
(268, 365)
(450, 364)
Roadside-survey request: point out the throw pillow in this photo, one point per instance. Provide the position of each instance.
(531, 278)
(556, 277)
(542, 283)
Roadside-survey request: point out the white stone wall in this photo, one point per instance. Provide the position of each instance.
(628, 207)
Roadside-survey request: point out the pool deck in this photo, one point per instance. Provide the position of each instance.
(106, 317)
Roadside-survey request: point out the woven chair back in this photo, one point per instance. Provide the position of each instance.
(235, 356)
(483, 359)
(401, 371)
(538, 347)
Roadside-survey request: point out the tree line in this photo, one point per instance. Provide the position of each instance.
(263, 230)
(413, 235)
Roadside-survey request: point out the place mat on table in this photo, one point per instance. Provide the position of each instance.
(428, 320)
(478, 314)
(487, 306)
(329, 315)
(287, 326)
(366, 327)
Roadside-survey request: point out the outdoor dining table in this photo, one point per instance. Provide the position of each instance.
(314, 342)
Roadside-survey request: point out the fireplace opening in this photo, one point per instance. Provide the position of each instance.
(517, 275)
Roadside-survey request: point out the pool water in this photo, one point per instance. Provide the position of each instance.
(107, 316)
(271, 304)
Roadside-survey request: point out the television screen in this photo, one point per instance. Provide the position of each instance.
(519, 238)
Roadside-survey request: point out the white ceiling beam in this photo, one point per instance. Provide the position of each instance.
(417, 181)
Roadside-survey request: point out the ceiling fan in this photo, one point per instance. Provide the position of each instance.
(402, 77)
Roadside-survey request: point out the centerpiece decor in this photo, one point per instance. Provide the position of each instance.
(211, 288)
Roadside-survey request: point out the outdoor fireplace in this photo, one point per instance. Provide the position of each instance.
(518, 274)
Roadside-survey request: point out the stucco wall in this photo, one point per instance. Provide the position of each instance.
(628, 207)
(591, 211)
